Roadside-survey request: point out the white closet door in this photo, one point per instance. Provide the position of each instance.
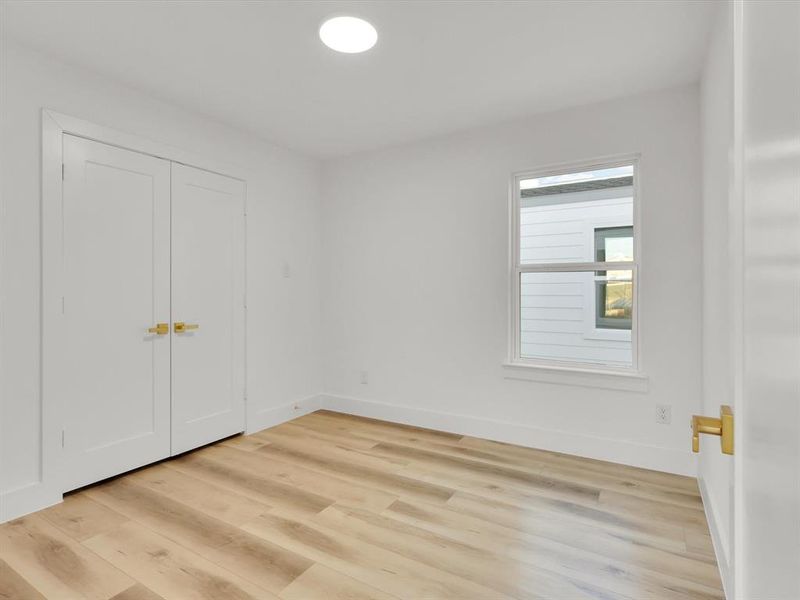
(115, 375)
(208, 297)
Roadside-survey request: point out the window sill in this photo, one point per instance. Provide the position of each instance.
(627, 381)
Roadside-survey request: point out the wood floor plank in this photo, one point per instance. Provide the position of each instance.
(323, 583)
(617, 546)
(137, 592)
(244, 442)
(621, 480)
(338, 507)
(626, 486)
(658, 511)
(169, 569)
(616, 575)
(55, 564)
(637, 526)
(81, 517)
(364, 432)
(170, 518)
(326, 435)
(386, 426)
(699, 543)
(385, 570)
(523, 454)
(218, 502)
(473, 563)
(295, 440)
(494, 473)
(252, 484)
(326, 485)
(381, 479)
(15, 587)
(269, 566)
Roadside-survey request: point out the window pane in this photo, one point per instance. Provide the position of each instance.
(614, 299)
(564, 317)
(613, 244)
(561, 214)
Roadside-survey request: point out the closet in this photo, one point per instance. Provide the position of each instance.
(151, 333)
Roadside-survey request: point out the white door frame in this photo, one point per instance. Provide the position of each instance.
(54, 126)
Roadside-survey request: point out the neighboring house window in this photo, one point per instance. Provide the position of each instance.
(614, 289)
(575, 267)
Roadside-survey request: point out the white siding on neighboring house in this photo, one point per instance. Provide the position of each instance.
(558, 309)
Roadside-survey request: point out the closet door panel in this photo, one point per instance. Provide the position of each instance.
(208, 298)
(115, 390)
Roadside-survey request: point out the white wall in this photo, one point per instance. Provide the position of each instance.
(283, 226)
(716, 469)
(415, 282)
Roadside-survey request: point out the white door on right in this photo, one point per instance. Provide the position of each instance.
(767, 561)
(208, 290)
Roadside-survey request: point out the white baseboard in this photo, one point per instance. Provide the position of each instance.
(25, 500)
(270, 417)
(719, 538)
(619, 451)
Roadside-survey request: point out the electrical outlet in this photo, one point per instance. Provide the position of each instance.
(663, 414)
(364, 378)
(287, 272)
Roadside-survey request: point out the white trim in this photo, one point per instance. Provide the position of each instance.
(718, 538)
(577, 267)
(51, 286)
(658, 458)
(736, 241)
(128, 141)
(270, 417)
(27, 499)
(583, 376)
(515, 268)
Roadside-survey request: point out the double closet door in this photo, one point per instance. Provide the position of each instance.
(152, 334)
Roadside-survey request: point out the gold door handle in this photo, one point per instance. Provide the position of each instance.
(159, 329)
(723, 427)
(181, 327)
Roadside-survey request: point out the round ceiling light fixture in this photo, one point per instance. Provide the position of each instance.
(348, 34)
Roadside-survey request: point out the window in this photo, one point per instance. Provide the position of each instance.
(614, 289)
(575, 267)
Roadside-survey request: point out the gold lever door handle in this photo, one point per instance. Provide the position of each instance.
(159, 329)
(181, 327)
(723, 427)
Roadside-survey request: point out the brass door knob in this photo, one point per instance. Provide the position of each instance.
(181, 327)
(723, 427)
(159, 329)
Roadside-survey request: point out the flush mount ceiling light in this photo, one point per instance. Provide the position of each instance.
(348, 34)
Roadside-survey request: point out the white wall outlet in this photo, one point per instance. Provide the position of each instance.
(287, 272)
(663, 414)
(364, 378)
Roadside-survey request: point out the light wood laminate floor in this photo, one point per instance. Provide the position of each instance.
(331, 506)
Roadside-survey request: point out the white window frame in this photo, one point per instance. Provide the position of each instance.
(516, 269)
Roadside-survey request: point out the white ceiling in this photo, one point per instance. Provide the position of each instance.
(437, 67)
